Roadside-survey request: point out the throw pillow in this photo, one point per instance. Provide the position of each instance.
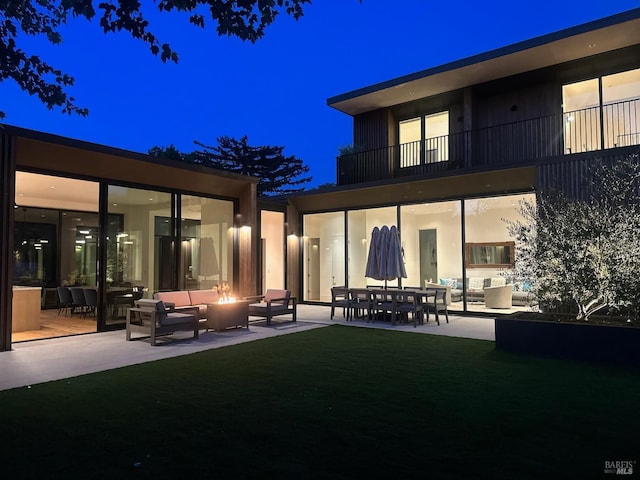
(451, 282)
(498, 281)
(476, 283)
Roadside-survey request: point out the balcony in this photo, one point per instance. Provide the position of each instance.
(589, 130)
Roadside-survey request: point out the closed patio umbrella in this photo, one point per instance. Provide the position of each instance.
(395, 262)
(373, 264)
(385, 260)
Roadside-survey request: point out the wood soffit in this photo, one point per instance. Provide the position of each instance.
(131, 167)
(496, 182)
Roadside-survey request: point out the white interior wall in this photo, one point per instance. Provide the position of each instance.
(361, 224)
(272, 231)
(485, 222)
(445, 219)
(329, 229)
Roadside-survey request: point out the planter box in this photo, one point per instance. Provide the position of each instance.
(578, 341)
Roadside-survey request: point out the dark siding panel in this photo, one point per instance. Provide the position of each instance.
(515, 106)
(570, 175)
(371, 129)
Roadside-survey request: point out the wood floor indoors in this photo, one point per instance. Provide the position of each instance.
(54, 325)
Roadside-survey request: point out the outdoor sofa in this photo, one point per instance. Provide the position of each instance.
(190, 301)
(197, 301)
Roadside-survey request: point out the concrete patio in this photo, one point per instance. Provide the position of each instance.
(54, 359)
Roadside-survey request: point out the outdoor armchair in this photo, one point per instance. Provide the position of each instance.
(151, 318)
(275, 302)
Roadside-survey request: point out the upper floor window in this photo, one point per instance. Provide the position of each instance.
(424, 139)
(602, 112)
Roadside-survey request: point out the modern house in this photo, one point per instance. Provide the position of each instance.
(447, 154)
(116, 222)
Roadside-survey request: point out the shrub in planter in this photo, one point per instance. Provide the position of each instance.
(583, 255)
(581, 258)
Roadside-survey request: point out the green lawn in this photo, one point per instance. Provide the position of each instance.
(336, 402)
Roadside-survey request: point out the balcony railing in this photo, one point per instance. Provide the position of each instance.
(597, 128)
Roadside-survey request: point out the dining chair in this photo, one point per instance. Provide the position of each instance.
(79, 304)
(362, 300)
(341, 298)
(90, 300)
(381, 303)
(407, 302)
(65, 300)
(436, 302)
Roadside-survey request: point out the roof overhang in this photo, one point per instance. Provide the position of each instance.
(600, 36)
(405, 191)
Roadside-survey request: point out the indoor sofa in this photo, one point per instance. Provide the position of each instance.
(476, 289)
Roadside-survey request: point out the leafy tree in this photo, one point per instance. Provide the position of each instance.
(277, 172)
(584, 255)
(245, 19)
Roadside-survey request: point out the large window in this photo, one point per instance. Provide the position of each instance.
(360, 226)
(323, 255)
(593, 120)
(55, 244)
(432, 243)
(491, 252)
(433, 247)
(206, 243)
(139, 253)
(424, 139)
(410, 139)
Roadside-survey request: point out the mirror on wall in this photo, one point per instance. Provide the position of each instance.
(490, 255)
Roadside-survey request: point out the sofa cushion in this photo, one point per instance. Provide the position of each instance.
(476, 283)
(180, 298)
(273, 294)
(202, 297)
(176, 319)
(153, 304)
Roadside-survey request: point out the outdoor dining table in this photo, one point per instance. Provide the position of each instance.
(390, 301)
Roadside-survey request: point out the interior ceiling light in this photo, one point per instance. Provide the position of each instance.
(592, 45)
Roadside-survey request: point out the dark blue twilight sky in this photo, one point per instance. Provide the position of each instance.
(274, 91)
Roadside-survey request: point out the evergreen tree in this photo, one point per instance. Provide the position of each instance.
(278, 173)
